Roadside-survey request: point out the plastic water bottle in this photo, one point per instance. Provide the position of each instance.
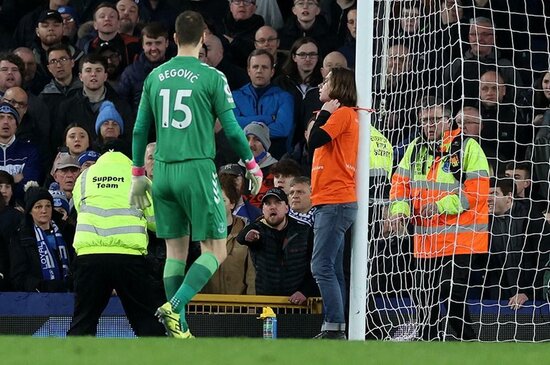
(269, 323)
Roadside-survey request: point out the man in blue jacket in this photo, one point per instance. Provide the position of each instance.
(260, 101)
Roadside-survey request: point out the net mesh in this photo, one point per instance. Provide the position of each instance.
(487, 61)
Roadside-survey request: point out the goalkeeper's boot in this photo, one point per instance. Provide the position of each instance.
(171, 322)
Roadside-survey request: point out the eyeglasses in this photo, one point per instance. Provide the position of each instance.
(243, 2)
(304, 55)
(264, 40)
(323, 83)
(16, 103)
(305, 4)
(60, 61)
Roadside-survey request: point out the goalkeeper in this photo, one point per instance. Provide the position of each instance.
(183, 97)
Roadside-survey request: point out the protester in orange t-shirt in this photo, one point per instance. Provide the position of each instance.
(334, 139)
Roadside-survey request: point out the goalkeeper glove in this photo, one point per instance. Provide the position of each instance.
(141, 185)
(255, 175)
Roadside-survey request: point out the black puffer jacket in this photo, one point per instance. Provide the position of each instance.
(282, 258)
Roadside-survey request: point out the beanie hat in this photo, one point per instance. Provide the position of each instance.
(107, 111)
(69, 10)
(87, 156)
(7, 108)
(59, 199)
(260, 131)
(34, 193)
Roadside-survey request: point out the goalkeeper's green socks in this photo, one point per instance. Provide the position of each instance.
(174, 273)
(198, 275)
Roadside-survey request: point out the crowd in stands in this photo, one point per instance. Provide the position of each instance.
(72, 73)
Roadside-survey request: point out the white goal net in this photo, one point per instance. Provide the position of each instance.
(483, 67)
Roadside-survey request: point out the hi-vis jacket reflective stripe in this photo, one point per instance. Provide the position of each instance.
(106, 222)
(461, 225)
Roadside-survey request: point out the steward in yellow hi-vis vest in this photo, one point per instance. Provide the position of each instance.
(442, 186)
(111, 243)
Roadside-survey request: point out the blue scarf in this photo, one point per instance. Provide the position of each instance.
(47, 256)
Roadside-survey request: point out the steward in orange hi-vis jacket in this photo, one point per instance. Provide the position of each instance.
(442, 187)
(426, 178)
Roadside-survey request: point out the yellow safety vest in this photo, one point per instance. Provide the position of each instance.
(106, 222)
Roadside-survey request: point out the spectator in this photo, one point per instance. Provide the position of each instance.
(109, 126)
(76, 140)
(259, 142)
(281, 250)
(240, 26)
(26, 29)
(128, 14)
(348, 49)
(541, 99)
(60, 203)
(336, 15)
(284, 172)
(267, 38)
(65, 171)
(70, 23)
(10, 219)
(31, 81)
(481, 56)
(83, 106)
(539, 153)
(469, 120)
(236, 275)
(215, 57)
(154, 40)
(507, 130)
(114, 63)
(461, 218)
(87, 159)
(30, 129)
(409, 26)
(301, 77)
(50, 32)
(115, 260)
(7, 188)
(333, 60)
(301, 207)
(243, 209)
(260, 101)
(106, 23)
(306, 21)
(63, 84)
(519, 248)
(39, 254)
(506, 244)
(12, 70)
(19, 158)
(150, 159)
(334, 140)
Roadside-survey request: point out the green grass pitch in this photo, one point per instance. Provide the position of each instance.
(15, 350)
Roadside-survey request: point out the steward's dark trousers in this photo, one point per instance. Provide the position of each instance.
(443, 280)
(95, 277)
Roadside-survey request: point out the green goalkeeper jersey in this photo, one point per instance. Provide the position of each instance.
(183, 97)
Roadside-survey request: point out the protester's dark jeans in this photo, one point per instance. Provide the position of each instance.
(331, 223)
